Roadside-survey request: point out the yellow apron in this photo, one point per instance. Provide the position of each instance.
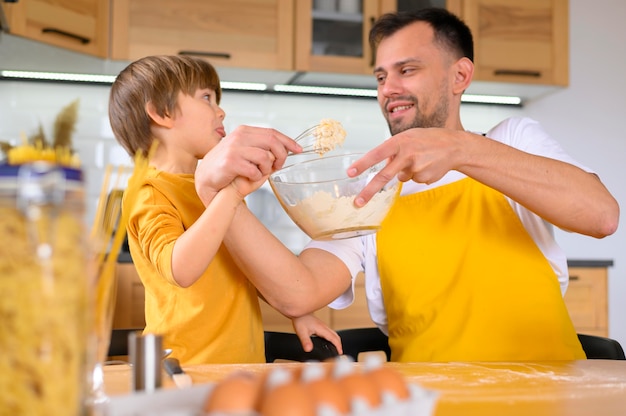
(462, 280)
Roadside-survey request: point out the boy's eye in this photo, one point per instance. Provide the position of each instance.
(207, 94)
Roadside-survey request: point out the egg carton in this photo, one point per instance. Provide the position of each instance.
(190, 401)
(421, 402)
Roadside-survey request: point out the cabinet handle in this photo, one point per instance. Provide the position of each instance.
(574, 278)
(79, 38)
(206, 54)
(521, 72)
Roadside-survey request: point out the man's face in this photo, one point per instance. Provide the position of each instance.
(414, 84)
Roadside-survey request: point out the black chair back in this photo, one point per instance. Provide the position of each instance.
(278, 345)
(601, 348)
(357, 340)
(287, 346)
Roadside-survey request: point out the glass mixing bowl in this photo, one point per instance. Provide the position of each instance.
(318, 196)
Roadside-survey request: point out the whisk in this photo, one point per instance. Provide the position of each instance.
(322, 137)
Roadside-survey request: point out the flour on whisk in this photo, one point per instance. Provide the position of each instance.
(328, 135)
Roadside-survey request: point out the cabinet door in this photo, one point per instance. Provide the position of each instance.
(330, 39)
(586, 300)
(130, 298)
(332, 35)
(390, 6)
(247, 34)
(517, 41)
(79, 25)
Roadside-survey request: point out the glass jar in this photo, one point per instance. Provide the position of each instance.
(44, 302)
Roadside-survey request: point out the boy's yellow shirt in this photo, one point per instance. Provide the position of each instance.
(215, 320)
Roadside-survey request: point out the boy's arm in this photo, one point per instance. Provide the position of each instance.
(195, 248)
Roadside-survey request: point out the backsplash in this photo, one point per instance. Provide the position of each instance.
(26, 105)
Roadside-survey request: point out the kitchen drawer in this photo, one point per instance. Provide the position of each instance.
(586, 300)
(129, 305)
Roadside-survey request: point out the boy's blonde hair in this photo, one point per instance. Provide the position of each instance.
(159, 80)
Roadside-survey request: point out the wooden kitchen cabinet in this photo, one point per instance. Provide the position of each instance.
(586, 300)
(336, 39)
(130, 299)
(78, 25)
(514, 42)
(246, 34)
(520, 41)
(333, 41)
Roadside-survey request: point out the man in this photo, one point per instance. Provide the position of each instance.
(465, 266)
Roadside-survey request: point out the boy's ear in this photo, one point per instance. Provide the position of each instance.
(161, 120)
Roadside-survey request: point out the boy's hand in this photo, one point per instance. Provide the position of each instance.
(309, 325)
(244, 186)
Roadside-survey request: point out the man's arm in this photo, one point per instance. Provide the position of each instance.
(559, 192)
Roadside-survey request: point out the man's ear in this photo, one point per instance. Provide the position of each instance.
(161, 120)
(464, 72)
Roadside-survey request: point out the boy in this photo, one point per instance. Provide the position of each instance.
(196, 295)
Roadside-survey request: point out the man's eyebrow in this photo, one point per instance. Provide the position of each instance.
(397, 64)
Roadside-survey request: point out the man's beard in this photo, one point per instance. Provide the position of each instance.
(435, 119)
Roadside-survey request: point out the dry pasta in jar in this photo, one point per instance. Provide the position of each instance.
(44, 307)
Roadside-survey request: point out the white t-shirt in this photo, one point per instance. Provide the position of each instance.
(359, 254)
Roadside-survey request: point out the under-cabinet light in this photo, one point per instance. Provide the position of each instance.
(306, 89)
(108, 79)
(491, 99)
(243, 86)
(250, 86)
(58, 76)
(363, 92)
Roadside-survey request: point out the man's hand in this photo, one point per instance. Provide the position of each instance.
(249, 152)
(422, 155)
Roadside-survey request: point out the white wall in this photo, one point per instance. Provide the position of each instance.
(587, 118)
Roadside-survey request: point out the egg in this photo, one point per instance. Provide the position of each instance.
(361, 390)
(388, 380)
(360, 387)
(285, 396)
(325, 390)
(238, 393)
(391, 381)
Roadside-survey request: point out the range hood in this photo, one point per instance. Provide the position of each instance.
(21, 54)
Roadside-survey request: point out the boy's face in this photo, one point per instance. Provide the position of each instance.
(199, 122)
